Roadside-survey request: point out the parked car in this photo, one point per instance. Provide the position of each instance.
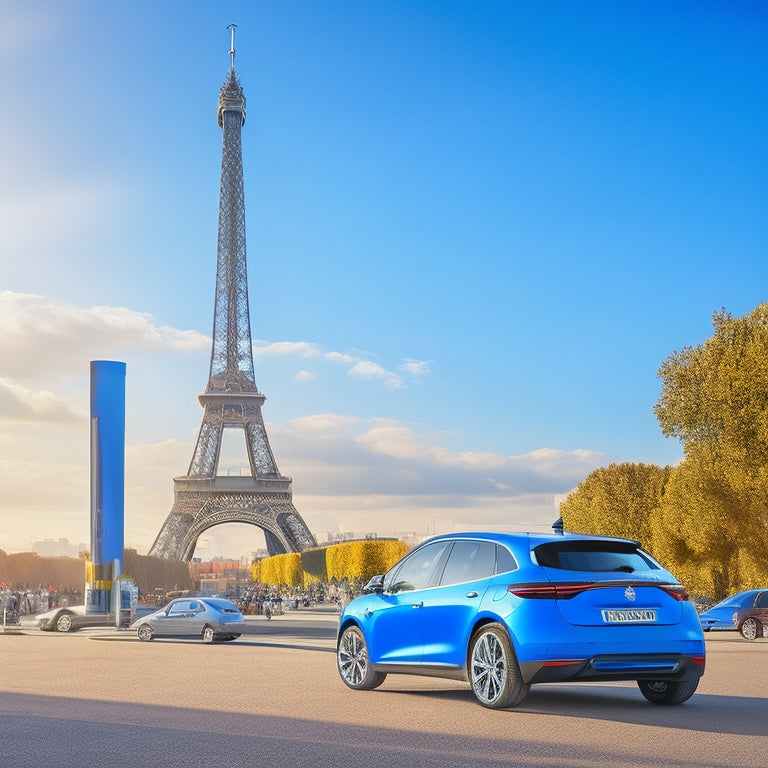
(506, 611)
(209, 618)
(722, 615)
(752, 620)
(70, 618)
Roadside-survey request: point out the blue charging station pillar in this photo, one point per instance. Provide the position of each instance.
(107, 484)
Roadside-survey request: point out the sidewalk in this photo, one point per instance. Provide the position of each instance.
(306, 628)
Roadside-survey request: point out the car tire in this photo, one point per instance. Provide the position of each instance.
(353, 662)
(145, 633)
(668, 691)
(494, 673)
(750, 628)
(208, 634)
(64, 622)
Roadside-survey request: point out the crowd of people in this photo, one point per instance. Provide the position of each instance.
(265, 599)
(29, 602)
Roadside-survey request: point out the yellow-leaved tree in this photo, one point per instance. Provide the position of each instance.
(714, 515)
(618, 500)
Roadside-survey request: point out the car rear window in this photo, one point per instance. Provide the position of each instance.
(224, 606)
(586, 555)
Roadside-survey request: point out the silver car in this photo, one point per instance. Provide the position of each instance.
(208, 618)
(70, 618)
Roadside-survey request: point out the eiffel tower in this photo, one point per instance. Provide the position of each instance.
(203, 499)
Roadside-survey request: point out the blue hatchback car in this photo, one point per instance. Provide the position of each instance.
(506, 611)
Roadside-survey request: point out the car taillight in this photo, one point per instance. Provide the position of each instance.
(549, 591)
(677, 591)
(567, 590)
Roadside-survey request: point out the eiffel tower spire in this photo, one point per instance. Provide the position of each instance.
(231, 399)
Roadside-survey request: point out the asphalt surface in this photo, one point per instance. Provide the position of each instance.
(274, 698)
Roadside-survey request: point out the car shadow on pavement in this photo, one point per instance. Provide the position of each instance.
(735, 715)
(61, 731)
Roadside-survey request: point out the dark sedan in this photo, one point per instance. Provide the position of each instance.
(723, 615)
(752, 620)
(208, 618)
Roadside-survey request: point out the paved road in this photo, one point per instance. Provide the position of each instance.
(273, 698)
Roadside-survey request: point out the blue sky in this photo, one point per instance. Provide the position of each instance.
(474, 232)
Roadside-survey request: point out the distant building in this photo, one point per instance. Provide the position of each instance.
(336, 538)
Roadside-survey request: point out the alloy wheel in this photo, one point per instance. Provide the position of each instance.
(353, 657)
(749, 628)
(64, 622)
(489, 668)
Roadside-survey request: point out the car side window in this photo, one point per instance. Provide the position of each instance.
(469, 561)
(762, 600)
(419, 570)
(505, 562)
(182, 606)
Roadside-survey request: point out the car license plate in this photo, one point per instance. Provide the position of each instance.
(629, 616)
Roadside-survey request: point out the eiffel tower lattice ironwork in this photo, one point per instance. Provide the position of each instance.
(203, 499)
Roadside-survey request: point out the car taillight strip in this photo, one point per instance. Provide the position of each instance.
(549, 591)
(567, 590)
(678, 591)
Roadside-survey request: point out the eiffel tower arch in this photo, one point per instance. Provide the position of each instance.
(202, 498)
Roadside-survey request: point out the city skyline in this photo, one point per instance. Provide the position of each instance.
(474, 233)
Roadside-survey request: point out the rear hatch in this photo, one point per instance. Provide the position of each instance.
(609, 583)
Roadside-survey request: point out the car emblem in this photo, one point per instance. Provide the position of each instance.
(629, 593)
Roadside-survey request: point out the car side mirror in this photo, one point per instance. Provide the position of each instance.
(375, 585)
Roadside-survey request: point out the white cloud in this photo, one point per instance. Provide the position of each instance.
(352, 474)
(362, 368)
(416, 368)
(300, 349)
(336, 455)
(20, 404)
(339, 357)
(44, 336)
(348, 474)
(365, 369)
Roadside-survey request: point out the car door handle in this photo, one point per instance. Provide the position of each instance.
(471, 594)
(417, 605)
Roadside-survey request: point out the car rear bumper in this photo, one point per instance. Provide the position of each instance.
(615, 667)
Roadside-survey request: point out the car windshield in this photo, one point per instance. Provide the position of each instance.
(590, 555)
